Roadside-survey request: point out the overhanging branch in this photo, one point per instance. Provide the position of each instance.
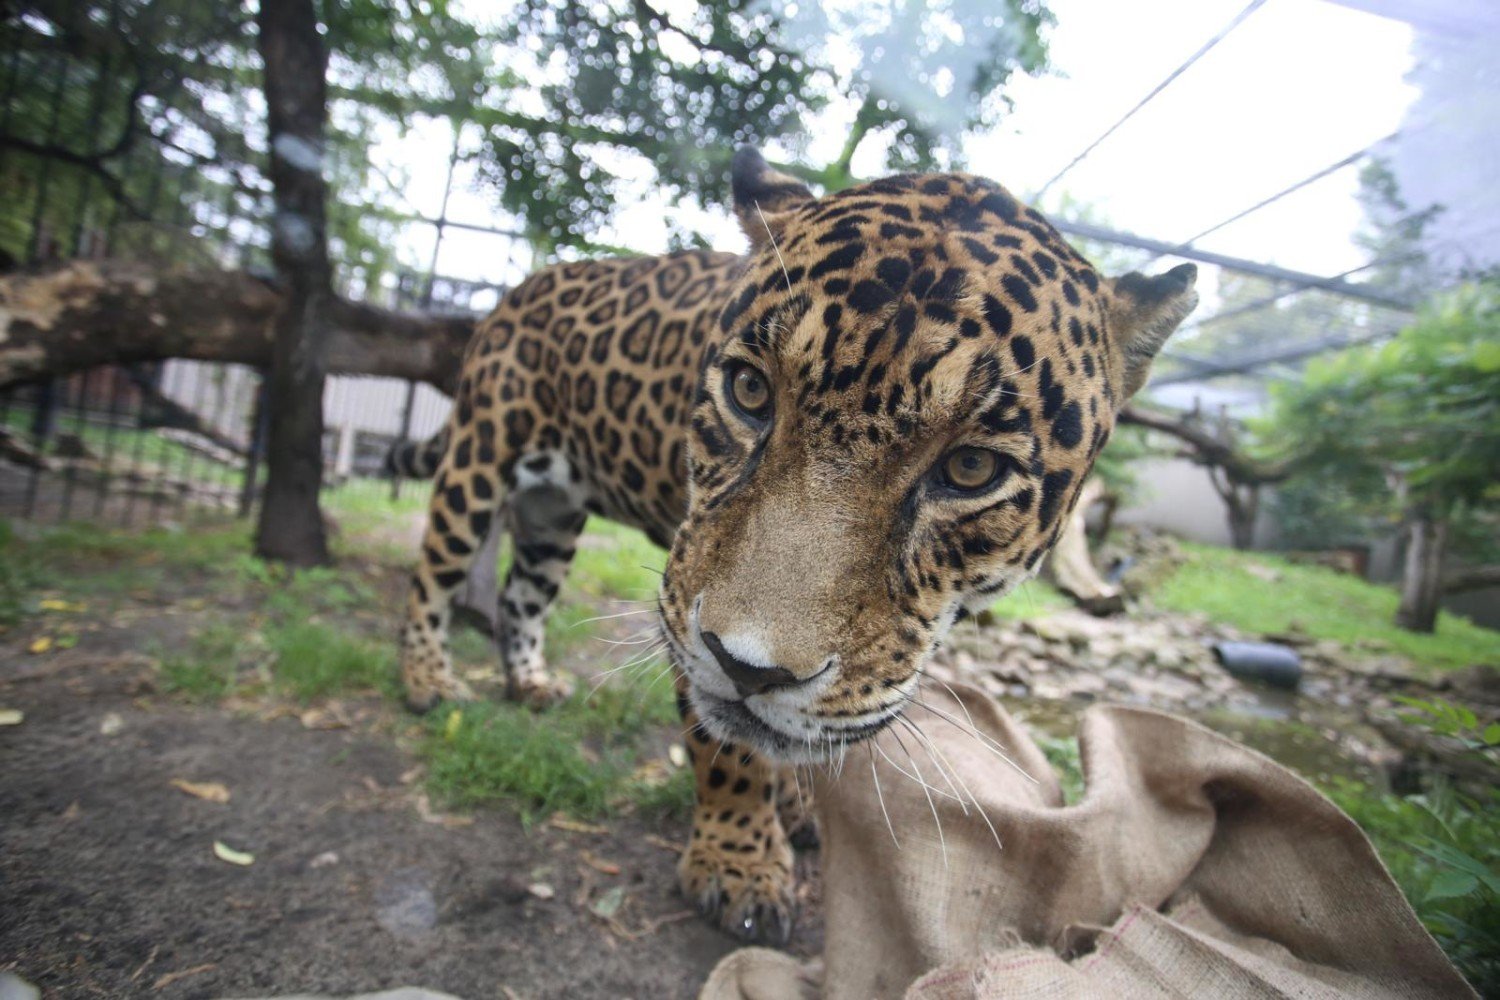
(88, 313)
(1206, 449)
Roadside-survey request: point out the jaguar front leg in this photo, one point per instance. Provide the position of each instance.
(737, 867)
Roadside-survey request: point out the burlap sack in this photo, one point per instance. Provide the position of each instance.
(1217, 873)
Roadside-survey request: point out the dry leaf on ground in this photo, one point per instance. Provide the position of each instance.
(11, 716)
(209, 791)
(424, 810)
(663, 843)
(541, 890)
(561, 822)
(599, 864)
(607, 905)
(111, 724)
(224, 852)
(40, 645)
(172, 977)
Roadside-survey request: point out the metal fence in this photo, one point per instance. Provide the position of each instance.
(143, 443)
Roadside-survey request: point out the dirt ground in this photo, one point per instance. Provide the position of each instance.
(110, 887)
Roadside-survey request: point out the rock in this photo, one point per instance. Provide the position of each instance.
(405, 905)
(1051, 629)
(1477, 683)
(13, 987)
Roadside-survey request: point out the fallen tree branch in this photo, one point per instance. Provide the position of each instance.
(1461, 581)
(1206, 449)
(82, 314)
(172, 414)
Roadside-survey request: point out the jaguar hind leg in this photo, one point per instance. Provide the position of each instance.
(466, 495)
(546, 517)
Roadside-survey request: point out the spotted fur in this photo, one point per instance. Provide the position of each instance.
(817, 555)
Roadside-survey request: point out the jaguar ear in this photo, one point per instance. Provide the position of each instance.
(762, 196)
(1143, 312)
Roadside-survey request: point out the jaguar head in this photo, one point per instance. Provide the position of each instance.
(909, 384)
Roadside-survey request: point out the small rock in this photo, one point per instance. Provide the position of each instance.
(324, 860)
(13, 987)
(111, 724)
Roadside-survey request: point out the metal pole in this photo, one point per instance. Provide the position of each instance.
(260, 428)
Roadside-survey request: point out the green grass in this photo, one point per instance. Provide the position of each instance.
(206, 672)
(1318, 602)
(131, 448)
(616, 562)
(1434, 845)
(1033, 599)
(314, 661)
(579, 758)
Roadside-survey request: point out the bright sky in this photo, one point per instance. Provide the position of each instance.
(1298, 86)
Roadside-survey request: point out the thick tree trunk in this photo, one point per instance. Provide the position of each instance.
(1422, 578)
(1244, 505)
(82, 314)
(291, 49)
(1071, 566)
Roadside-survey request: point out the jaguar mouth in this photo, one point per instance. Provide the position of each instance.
(731, 720)
(780, 725)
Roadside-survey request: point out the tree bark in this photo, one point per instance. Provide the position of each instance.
(1422, 578)
(1072, 568)
(1241, 526)
(78, 315)
(296, 88)
(1461, 581)
(1206, 449)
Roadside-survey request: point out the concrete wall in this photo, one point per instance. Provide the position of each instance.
(1177, 496)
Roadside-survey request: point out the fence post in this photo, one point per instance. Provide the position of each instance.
(406, 414)
(43, 423)
(260, 427)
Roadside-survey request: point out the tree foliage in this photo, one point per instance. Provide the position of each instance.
(1422, 410)
(154, 107)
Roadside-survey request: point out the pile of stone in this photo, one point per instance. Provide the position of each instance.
(1160, 659)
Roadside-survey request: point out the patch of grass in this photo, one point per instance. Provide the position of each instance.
(371, 524)
(1062, 753)
(617, 562)
(1033, 599)
(129, 445)
(674, 797)
(18, 578)
(472, 646)
(314, 661)
(200, 545)
(206, 672)
(579, 758)
(1443, 850)
(1317, 601)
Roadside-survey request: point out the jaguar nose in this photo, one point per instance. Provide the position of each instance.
(747, 678)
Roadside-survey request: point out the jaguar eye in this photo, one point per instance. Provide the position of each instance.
(969, 470)
(749, 391)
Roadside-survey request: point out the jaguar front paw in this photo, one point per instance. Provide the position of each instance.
(744, 889)
(424, 693)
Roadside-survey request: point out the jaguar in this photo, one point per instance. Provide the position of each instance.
(874, 421)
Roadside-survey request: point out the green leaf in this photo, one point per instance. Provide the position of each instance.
(1491, 734)
(1450, 884)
